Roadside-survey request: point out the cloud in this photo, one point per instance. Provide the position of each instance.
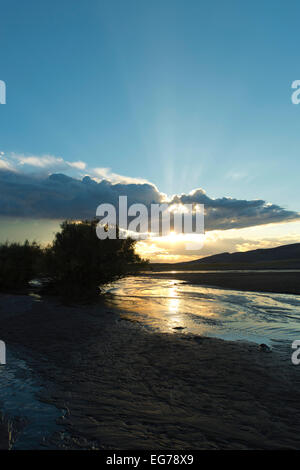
(78, 165)
(224, 213)
(30, 186)
(39, 162)
(45, 162)
(5, 165)
(106, 173)
(60, 196)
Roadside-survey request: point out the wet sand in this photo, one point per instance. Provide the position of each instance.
(9, 430)
(124, 387)
(4, 434)
(279, 282)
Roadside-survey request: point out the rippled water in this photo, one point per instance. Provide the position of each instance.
(18, 397)
(194, 271)
(165, 304)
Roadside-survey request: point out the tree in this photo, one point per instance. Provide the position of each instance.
(79, 262)
(18, 264)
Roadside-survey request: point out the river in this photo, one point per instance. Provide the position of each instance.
(171, 305)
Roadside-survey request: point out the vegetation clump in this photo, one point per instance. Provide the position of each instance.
(78, 259)
(77, 262)
(18, 264)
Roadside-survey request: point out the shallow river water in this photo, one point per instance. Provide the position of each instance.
(19, 390)
(172, 305)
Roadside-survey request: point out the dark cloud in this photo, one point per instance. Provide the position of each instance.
(224, 213)
(59, 196)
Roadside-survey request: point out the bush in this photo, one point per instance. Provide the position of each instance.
(18, 264)
(79, 262)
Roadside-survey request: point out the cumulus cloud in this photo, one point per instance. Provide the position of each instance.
(60, 196)
(47, 164)
(107, 174)
(224, 213)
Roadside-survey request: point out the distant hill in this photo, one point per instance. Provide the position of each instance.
(283, 252)
(281, 257)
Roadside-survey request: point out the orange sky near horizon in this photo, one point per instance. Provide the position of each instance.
(172, 249)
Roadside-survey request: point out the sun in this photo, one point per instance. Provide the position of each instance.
(172, 237)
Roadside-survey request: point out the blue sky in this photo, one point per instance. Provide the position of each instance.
(184, 94)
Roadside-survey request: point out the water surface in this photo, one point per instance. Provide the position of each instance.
(167, 305)
(221, 271)
(19, 389)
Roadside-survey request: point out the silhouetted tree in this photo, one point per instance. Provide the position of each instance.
(79, 262)
(18, 264)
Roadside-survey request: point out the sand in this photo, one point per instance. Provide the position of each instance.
(4, 434)
(10, 428)
(124, 387)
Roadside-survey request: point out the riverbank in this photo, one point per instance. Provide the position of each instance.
(277, 282)
(124, 387)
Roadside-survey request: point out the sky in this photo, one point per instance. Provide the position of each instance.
(178, 95)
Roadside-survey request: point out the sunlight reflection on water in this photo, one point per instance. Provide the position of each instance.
(167, 304)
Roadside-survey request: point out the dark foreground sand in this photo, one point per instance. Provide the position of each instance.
(4, 434)
(10, 428)
(126, 388)
(279, 282)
